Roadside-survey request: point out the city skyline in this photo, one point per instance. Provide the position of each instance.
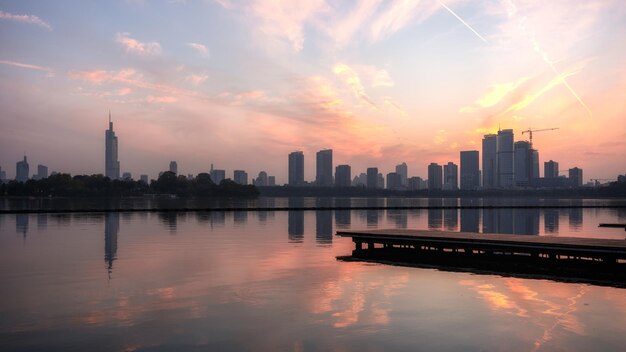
(378, 82)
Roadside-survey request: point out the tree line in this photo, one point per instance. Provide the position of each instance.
(60, 185)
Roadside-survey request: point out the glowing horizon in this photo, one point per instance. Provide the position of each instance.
(242, 84)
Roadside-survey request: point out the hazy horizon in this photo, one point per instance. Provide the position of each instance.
(242, 84)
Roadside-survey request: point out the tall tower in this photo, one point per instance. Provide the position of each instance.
(489, 161)
(296, 168)
(111, 164)
(505, 156)
(324, 168)
(403, 171)
(470, 171)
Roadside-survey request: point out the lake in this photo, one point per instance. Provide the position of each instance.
(270, 280)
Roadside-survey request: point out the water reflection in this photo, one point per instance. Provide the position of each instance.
(470, 218)
(342, 217)
(435, 217)
(111, 229)
(450, 216)
(295, 229)
(324, 222)
(21, 224)
(551, 221)
(42, 221)
(373, 215)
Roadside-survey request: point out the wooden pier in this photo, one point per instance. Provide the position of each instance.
(588, 257)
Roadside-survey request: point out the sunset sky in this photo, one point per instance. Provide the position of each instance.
(240, 84)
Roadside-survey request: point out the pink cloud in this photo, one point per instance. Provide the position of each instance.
(161, 99)
(29, 19)
(136, 47)
(200, 48)
(28, 66)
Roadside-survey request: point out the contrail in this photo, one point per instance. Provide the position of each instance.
(465, 23)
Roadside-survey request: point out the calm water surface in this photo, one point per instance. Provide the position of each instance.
(270, 281)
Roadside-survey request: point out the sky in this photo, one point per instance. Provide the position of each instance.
(241, 84)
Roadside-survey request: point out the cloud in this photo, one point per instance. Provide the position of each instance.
(495, 94)
(28, 66)
(398, 15)
(29, 19)
(200, 48)
(197, 79)
(352, 80)
(136, 47)
(161, 99)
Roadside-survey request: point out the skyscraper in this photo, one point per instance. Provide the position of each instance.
(535, 161)
(489, 161)
(450, 176)
(394, 181)
(504, 161)
(3, 175)
(372, 177)
(343, 176)
(324, 168)
(434, 176)
(470, 171)
(550, 169)
(523, 164)
(296, 168)
(42, 172)
(174, 167)
(576, 177)
(240, 177)
(403, 171)
(111, 164)
(21, 170)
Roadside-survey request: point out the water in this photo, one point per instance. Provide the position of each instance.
(270, 281)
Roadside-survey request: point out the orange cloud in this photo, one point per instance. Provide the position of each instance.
(136, 47)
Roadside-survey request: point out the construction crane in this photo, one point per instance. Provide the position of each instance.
(530, 133)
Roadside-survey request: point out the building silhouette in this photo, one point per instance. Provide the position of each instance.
(523, 164)
(324, 168)
(505, 156)
(217, 176)
(144, 178)
(434, 176)
(394, 181)
(174, 167)
(262, 179)
(450, 176)
(22, 170)
(296, 168)
(403, 171)
(372, 177)
(240, 177)
(551, 169)
(576, 177)
(3, 175)
(416, 183)
(343, 176)
(489, 161)
(111, 163)
(470, 170)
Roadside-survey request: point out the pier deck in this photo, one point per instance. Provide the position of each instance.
(480, 246)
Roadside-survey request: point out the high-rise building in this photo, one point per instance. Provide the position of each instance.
(434, 176)
(271, 180)
(403, 171)
(143, 178)
(489, 161)
(372, 177)
(576, 177)
(535, 161)
(22, 170)
(523, 164)
(415, 183)
(450, 176)
(550, 169)
(324, 168)
(111, 164)
(504, 161)
(470, 170)
(174, 167)
(127, 176)
(217, 176)
(296, 168)
(42, 172)
(343, 176)
(380, 183)
(262, 179)
(394, 181)
(3, 175)
(240, 177)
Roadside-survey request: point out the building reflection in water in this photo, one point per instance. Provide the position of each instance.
(342, 217)
(295, 227)
(435, 217)
(450, 216)
(511, 221)
(169, 219)
(240, 217)
(575, 218)
(398, 216)
(21, 224)
(111, 229)
(526, 221)
(373, 214)
(470, 218)
(42, 221)
(551, 221)
(323, 221)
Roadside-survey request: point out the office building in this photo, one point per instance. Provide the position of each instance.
(416, 183)
(22, 170)
(324, 168)
(343, 176)
(217, 176)
(372, 177)
(450, 177)
(550, 169)
(174, 167)
(127, 176)
(111, 164)
(403, 171)
(271, 180)
(262, 179)
(489, 161)
(144, 178)
(3, 175)
(394, 181)
(240, 177)
(42, 172)
(434, 176)
(504, 161)
(576, 177)
(535, 161)
(523, 169)
(470, 171)
(380, 183)
(296, 169)
(360, 181)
